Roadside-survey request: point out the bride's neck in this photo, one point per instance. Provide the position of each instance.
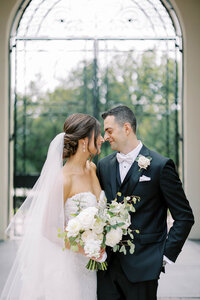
(78, 161)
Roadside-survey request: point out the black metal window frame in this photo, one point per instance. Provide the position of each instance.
(14, 39)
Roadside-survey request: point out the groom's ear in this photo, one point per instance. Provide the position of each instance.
(127, 128)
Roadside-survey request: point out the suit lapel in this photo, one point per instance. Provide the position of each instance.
(133, 175)
(118, 174)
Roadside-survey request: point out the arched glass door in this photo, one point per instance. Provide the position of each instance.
(87, 56)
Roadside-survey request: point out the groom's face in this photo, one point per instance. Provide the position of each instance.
(114, 133)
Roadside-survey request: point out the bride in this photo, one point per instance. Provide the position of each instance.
(42, 271)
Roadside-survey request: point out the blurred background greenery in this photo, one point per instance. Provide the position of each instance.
(145, 83)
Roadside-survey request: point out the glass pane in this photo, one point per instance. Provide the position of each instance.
(77, 56)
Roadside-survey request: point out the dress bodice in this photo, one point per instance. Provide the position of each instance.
(81, 201)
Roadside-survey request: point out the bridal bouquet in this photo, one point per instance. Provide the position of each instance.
(95, 228)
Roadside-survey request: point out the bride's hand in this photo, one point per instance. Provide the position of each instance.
(80, 249)
(102, 253)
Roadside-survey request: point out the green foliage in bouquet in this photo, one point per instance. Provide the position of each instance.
(95, 228)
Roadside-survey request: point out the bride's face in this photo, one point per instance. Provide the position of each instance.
(92, 147)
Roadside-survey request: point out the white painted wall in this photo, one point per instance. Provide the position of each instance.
(189, 16)
(7, 12)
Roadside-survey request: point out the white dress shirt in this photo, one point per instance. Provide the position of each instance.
(125, 166)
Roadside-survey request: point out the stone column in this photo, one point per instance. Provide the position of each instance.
(7, 12)
(189, 16)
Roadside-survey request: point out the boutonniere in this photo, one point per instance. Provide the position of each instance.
(143, 161)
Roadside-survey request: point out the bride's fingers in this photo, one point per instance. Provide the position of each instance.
(102, 251)
(94, 258)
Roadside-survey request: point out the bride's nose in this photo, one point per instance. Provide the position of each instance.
(106, 136)
(102, 139)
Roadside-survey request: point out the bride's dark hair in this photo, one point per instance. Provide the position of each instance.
(79, 126)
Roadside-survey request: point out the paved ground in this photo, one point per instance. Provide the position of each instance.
(180, 282)
(182, 279)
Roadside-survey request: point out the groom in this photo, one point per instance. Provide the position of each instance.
(154, 179)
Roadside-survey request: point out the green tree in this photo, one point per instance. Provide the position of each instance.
(144, 82)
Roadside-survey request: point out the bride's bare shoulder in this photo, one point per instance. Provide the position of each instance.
(67, 180)
(67, 184)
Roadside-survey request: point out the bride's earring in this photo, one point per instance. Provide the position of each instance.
(83, 147)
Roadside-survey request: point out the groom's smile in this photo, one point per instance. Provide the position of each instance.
(114, 133)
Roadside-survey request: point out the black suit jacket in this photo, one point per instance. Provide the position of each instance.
(164, 191)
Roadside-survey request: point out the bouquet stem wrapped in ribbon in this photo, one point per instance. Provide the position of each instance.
(94, 228)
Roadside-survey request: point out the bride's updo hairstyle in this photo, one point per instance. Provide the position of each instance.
(79, 126)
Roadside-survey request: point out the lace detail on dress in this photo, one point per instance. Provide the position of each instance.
(78, 201)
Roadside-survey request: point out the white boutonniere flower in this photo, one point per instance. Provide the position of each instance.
(143, 162)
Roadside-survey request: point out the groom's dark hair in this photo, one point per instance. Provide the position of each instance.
(122, 115)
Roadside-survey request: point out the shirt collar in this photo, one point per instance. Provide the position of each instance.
(134, 153)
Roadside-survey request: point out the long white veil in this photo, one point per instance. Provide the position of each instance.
(43, 215)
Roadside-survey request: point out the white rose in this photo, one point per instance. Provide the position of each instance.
(87, 217)
(92, 248)
(88, 235)
(113, 237)
(73, 227)
(143, 162)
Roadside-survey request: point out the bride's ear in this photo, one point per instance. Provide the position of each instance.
(84, 143)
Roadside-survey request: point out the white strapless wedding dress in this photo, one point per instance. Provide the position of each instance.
(62, 274)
